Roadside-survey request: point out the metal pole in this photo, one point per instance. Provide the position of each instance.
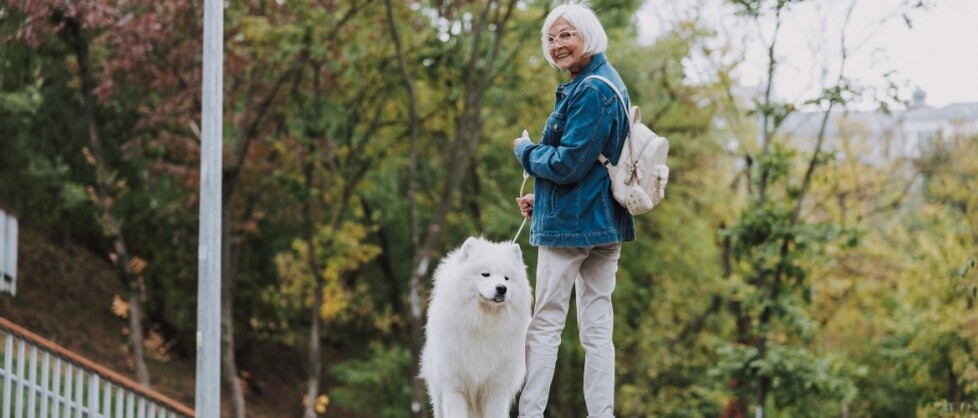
(208, 387)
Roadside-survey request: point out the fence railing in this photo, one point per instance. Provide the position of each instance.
(8, 252)
(41, 379)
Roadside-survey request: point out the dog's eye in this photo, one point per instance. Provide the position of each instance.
(485, 274)
(506, 277)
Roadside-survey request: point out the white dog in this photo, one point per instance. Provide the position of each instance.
(474, 357)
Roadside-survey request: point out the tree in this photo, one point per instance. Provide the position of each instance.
(335, 161)
(82, 26)
(767, 243)
(908, 286)
(477, 30)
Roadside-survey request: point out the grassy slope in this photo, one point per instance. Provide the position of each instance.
(65, 295)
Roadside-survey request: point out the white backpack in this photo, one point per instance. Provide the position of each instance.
(639, 180)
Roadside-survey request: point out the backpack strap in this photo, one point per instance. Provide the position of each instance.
(621, 98)
(604, 160)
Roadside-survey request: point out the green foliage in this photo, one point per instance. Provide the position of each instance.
(805, 384)
(374, 384)
(40, 163)
(860, 284)
(774, 110)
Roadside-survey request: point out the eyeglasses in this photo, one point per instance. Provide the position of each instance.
(561, 39)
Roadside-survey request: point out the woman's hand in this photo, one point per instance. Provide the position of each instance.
(524, 137)
(526, 205)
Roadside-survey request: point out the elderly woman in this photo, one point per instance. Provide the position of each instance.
(577, 224)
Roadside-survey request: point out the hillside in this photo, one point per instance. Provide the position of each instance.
(66, 294)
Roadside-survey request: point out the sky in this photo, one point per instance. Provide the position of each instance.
(938, 55)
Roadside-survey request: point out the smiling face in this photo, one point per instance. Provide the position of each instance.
(566, 47)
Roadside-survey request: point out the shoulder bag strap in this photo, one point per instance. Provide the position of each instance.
(604, 160)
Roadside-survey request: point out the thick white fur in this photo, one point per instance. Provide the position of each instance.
(474, 357)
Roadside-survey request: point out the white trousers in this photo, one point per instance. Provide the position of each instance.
(559, 270)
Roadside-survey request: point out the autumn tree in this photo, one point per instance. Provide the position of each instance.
(104, 39)
(476, 49)
(767, 243)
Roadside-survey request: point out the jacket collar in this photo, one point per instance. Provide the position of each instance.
(597, 60)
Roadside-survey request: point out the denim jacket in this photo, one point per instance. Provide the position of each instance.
(573, 204)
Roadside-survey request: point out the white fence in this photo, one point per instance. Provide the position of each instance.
(8, 253)
(41, 379)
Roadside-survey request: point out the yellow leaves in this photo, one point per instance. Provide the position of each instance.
(266, 39)
(120, 307)
(157, 346)
(71, 63)
(348, 250)
(255, 28)
(384, 320)
(898, 284)
(75, 83)
(347, 253)
(335, 300)
(155, 343)
(289, 267)
(282, 148)
(89, 158)
(337, 252)
(137, 264)
(322, 403)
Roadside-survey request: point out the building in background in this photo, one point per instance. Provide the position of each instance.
(884, 137)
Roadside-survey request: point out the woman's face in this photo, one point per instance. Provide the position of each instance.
(566, 47)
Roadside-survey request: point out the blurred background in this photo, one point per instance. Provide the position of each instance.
(815, 255)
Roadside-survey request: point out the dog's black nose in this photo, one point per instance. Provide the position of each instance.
(500, 290)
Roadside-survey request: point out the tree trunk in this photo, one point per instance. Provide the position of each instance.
(230, 249)
(136, 337)
(315, 318)
(419, 262)
(479, 71)
(954, 390)
(315, 350)
(764, 382)
(121, 257)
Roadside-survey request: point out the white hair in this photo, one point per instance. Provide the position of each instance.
(582, 18)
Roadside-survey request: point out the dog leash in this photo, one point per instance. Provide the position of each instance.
(525, 176)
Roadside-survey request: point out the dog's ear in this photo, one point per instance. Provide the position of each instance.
(515, 248)
(468, 247)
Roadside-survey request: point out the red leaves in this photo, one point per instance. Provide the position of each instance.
(42, 18)
(143, 41)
